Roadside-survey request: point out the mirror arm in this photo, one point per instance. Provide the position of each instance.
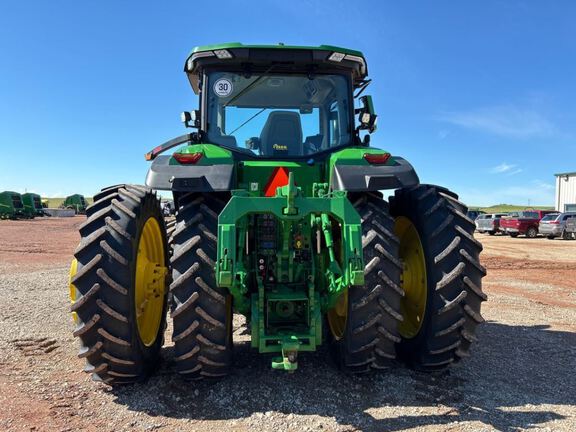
(362, 87)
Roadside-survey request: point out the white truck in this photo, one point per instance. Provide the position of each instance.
(489, 223)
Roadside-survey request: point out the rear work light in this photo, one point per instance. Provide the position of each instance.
(187, 158)
(336, 57)
(223, 54)
(377, 159)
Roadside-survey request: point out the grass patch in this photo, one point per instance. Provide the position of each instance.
(56, 202)
(506, 208)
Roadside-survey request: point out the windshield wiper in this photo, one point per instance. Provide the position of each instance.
(249, 120)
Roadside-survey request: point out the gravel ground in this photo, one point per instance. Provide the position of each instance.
(520, 376)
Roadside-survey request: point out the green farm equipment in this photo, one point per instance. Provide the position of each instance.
(32, 205)
(76, 202)
(280, 218)
(11, 206)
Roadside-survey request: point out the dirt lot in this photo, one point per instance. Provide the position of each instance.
(521, 374)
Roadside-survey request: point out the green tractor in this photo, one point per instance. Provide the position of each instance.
(280, 217)
(11, 206)
(32, 205)
(75, 202)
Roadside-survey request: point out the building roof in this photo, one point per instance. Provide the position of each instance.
(573, 173)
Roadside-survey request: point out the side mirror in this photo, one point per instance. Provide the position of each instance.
(191, 119)
(367, 116)
(253, 143)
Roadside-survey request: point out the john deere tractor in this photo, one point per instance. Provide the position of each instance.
(281, 217)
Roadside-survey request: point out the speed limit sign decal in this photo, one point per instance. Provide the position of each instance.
(223, 87)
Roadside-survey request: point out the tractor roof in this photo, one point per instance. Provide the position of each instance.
(287, 57)
(280, 46)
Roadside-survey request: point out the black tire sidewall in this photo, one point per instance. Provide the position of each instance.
(413, 345)
(446, 238)
(148, 354)
(358, 351)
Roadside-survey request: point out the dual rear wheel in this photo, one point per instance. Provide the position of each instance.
(422, 294)
(120, 287)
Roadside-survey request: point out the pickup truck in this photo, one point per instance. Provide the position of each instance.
(524, 222)
(489, 223)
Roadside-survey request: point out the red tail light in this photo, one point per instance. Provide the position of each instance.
(377, 159)
(187, 158)
(555, 222)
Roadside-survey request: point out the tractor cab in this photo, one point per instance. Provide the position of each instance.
(277, 101)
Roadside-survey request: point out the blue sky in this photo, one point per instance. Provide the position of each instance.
(479, 96)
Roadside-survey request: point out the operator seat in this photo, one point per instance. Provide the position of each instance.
(282, 134)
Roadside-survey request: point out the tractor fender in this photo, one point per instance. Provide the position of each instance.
(356, 178)
(189, 178)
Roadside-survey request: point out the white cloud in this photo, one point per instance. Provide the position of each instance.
(443, 134)
(533, 193)
(502, 168)
(504, 120)
(543, 185)
(516, 171)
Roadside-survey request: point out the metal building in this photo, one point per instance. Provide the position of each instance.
(566, 191)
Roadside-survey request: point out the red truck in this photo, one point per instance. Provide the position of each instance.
(524, 222)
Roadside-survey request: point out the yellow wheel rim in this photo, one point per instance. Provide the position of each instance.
(72, 288)
(150, 281)
(414, 283)
(338, 315)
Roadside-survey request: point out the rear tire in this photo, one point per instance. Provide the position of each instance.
(453, 277)
(532, 232)
(201, 311)
(513, 234)
(102, 285)
(373, 310)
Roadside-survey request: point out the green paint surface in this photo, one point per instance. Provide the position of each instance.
(231, 45)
